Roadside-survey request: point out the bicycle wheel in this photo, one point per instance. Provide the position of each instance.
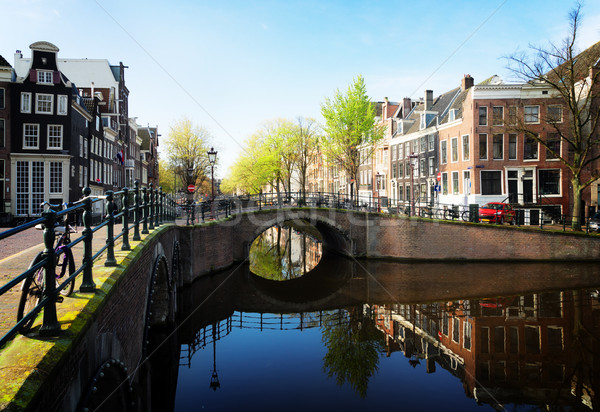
(465, 216)
(65, 266)
(31, 293)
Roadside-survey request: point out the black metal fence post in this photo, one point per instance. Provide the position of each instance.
(110, 229)
(145, 207)
(87, 283)
(125, 245)
(161, 208)
(136, 222)
(151, 208)
(50, 325)
(156, 208)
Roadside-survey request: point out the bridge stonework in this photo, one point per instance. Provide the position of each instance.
(374, 235)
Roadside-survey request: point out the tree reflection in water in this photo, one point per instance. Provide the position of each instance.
(353, 349)
(285, 252)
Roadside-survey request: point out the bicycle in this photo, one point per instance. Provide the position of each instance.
(33, 286)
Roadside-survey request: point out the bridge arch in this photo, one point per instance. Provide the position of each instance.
(335, 240)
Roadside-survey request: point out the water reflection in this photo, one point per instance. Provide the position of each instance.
(520, 350)
(285, 252)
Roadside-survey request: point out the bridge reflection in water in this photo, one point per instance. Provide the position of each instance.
(509, 336)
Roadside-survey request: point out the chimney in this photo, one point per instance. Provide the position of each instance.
(467, 82)
(406, 107)
(386, 103)
(428, 99)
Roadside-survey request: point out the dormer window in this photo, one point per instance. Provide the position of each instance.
(452, 115)
(423, 124)
(44, 76)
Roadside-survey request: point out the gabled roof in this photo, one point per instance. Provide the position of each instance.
(457, 105)
(440, 105)
(3, 62)
(583, 61)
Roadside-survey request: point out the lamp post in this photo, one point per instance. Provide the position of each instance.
(412, 159)
(190, 174)
(212, 158)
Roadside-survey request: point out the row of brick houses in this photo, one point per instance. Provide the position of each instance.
(459, 148)
(65, 125)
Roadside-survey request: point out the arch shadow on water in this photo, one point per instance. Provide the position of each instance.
(321, 283)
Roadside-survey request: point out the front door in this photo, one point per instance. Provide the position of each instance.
(513, 186)
(528, 186)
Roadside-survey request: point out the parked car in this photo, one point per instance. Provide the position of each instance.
(594, 223)
(497, 212)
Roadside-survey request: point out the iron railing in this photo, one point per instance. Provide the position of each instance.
(149, 208)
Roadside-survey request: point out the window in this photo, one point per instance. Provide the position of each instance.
(491, 182)
(401, 151)
(62, 105)
(512, 115)
(498, 115)
(431, 166)
(499, 339)
(498, 146)
(423, 167)
(408, 197)
(400, 192)
(483, 146)
(512, 146)
(31, 136)
(532, 339)
(29, 187)
(393, 148)
(454, 143)
(56, 177)
(485, 339)
(483, 116)
(553, 142)
(423, 123)
(55, 136)
(444, 152)
(465, 147)
(554, 114)
(530, 148)
(25, 102)
(550, 182)
(43, 103)
(44, 76)
(532, 114)
(2, 133)
(455, 329)
(2, 98)
(400, 170)
(445, 183)
(467, 335)
(467, 182)
(455, 183)
(431, 142)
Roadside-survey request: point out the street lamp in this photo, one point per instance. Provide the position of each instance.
(212, 158)
(190, 208)
(412, 159)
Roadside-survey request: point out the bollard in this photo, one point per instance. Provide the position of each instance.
(110, 229)
(151, 210)
(87, 283)
(136, 222)
(145, 207)
(125, 245)
(50, 325)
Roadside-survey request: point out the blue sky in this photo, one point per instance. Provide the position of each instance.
(232, 65)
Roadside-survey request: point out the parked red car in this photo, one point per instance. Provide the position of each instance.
(497, 212)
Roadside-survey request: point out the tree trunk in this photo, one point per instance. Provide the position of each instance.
(577, 202)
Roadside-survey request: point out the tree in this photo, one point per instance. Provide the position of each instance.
(350, 125)
(574, 78)
(186, 147)
(306, 145)
(168, 178)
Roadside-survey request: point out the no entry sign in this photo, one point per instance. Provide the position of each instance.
(191, 188)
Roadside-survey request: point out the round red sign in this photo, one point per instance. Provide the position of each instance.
(191, 188)
(439, 176)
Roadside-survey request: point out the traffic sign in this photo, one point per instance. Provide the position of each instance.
(191, 188)
(439, 176)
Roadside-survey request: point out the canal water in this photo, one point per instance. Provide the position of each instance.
(359, 335)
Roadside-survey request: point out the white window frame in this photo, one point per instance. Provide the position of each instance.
(55, 181)
(558, 106)
(36, 126)
(62, 107)
(52, 128)
(453, 141)
(44, 75)
(526, 115)
(25, 102)
(443, 153)
(468, 151)
(455, 182)
(38, 101)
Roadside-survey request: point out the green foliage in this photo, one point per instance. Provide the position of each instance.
(353, 350)
(350, 124)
